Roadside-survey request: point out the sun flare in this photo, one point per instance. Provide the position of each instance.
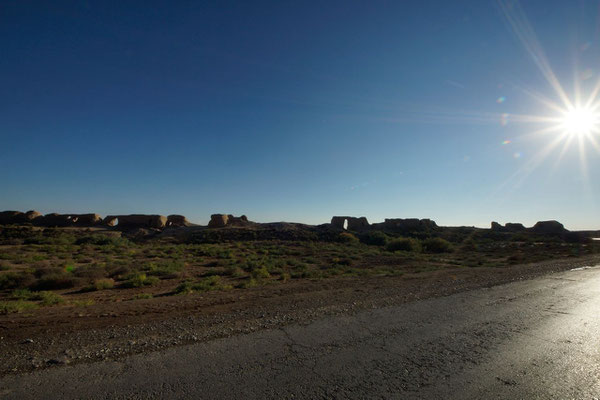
(580, 121)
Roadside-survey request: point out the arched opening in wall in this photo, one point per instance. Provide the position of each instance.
(345, 226)
(113, 222)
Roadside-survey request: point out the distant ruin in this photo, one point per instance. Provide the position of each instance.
(159, 222)
(350, 223)
(136, 221)
(223, 220)
(126, 222)
(360, 224)
(541, 227)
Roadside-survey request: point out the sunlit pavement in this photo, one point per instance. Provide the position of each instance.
(530, 339)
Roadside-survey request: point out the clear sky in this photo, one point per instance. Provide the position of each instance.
(298, 110)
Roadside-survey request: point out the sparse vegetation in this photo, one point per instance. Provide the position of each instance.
(437, 245)
(140, 280)
(403, 244)
(374, 238)
(70, 267)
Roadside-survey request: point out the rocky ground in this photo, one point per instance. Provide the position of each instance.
(56, 336)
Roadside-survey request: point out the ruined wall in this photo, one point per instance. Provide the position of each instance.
(86, 219)
(354, 224)
(11, 217)
(549, 228)
(18, 217)
(407, 225)
(177, 220)
(136, 221)
(390, 224)
(508, 227)
(223, 220)
(541, 227)
(52, 220)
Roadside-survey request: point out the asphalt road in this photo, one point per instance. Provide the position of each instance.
(537, 339)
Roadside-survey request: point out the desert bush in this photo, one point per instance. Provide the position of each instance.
(403, 244)
(166, 269)
(92, 271)
(376, 238)
(8, 307)
(103, 240)
(234, 271)
(576, 237)
(341, 261)
(50, 237)
(140, 280)
(48, 298)
(101, 284)
(347, 237)
(55, 281)
(250, 283)
(44, 298)
(203, 285)
(13, 280)
(437, 245)
(260, 273)
(119, 271)
(469, 245)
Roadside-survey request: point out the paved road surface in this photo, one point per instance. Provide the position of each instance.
(532, 339)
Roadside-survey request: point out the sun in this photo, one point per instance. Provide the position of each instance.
(580, 121)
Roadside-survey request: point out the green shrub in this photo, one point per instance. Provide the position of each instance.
(469, 245)
(48, 298)
(103, 240)
(203, 285)
(260, 273)
(14, 280)
(341, 261)
(234, 271)
(45, 298)
(376, 238)
(55, 281)
(437, 245)
(69, 267)
(403, 244)
(166, 269)
(140, 280)
(250, 283)
(102, 284)
(91, 271)
(119, 271)
(21, 294)
(8, 307)
(347, 237)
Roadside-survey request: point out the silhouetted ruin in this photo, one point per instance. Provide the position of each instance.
(223, 220)
(361, 224)
(408, 226)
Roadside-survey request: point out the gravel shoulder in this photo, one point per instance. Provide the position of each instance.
(70, 335)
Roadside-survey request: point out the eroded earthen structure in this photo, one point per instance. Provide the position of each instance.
(360, 224)
(177, 220)
(223, 220)
(136, 221)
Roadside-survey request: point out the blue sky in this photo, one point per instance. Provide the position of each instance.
(293, 111)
